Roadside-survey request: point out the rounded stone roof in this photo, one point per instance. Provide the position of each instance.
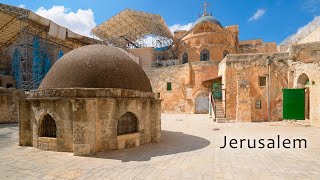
(207, 18)
(96, 66)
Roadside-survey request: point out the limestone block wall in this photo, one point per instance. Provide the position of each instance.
(208, 36)
(312, 71)
(31, 114)
(257, 46)
(86, 119)
(241, 78)
(145, 55)
(187, 83)
(307, 52)
(9, 105)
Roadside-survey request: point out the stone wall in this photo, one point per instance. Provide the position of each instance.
(312, 71)
(257, 46)
(210, 36)
(187, 83)
(145, 55)
(7, 81)
(9, 105)
(307, 53)
(241, 81)
(86, 119)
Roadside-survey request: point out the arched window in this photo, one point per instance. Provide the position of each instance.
(127, 124)
(48, 127)
(204, 55)
(303, 81)
(185, 58)
(225, 53)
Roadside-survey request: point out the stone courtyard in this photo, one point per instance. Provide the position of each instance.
(189, 149)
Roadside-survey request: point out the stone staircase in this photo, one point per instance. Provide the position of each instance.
(220, 114)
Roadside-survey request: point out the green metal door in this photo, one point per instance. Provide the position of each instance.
(293, 104)
(217, 91)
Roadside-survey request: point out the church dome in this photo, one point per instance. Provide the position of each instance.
(207, 18)
(96, 66)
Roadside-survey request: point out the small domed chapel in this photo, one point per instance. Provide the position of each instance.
(95, 98)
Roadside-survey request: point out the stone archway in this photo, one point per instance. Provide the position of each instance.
(202, 103)
(304, 82)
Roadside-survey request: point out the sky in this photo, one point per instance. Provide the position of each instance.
(271, 20)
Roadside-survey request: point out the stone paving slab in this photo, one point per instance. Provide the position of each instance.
(189, 149)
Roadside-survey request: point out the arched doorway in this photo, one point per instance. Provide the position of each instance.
(304, 82)
(202, 103)
(48, 127)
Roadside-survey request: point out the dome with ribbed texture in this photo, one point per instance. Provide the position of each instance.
(96, 66)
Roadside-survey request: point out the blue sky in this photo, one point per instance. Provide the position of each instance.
(274, 20)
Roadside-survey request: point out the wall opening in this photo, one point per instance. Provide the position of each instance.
(169, 86)
(185, 58)
(225, 53)
(304, 82)
(202, 103)
(204, 55)
(127, 124)
(262, 81)
(48, 127)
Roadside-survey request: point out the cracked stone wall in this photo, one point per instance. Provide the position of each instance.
(86, 119)
(240, 75)
(187, 83)
(8, 105)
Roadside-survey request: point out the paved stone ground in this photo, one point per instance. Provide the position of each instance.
(189, 149)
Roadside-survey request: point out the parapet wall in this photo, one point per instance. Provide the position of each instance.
(9, 105)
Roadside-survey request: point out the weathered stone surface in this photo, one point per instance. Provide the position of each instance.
(87, 125)
(9, 105)
(96, 66)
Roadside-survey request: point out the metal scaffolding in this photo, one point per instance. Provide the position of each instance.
(135, 29)
(34, 43)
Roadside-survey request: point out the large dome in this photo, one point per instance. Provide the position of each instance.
(96, 66)
(207, 18)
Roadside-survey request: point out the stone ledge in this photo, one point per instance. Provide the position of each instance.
(90, 93)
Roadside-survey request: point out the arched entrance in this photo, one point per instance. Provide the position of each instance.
(303, 82)
(202, 103)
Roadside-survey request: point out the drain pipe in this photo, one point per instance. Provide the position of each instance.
(269, 61)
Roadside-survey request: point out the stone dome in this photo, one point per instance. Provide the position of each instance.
(207, 18)
(96, 66)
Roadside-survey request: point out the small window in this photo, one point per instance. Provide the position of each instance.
(169, 86)
(204, 55)
(48, 127)
(185, 58)
(262, 81)
(127, 124)
(258, 104)
(225, 53)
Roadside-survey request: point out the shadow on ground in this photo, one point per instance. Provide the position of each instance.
(170, 143)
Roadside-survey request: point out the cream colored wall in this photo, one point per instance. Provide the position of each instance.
(312, 37)
(145, 55)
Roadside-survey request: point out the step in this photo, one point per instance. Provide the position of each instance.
(221, 120)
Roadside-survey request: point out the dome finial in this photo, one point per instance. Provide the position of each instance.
(205, 6)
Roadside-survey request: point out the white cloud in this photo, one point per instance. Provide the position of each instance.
(180, 27)
(22, 6)
(257, 15)
(80, 22)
